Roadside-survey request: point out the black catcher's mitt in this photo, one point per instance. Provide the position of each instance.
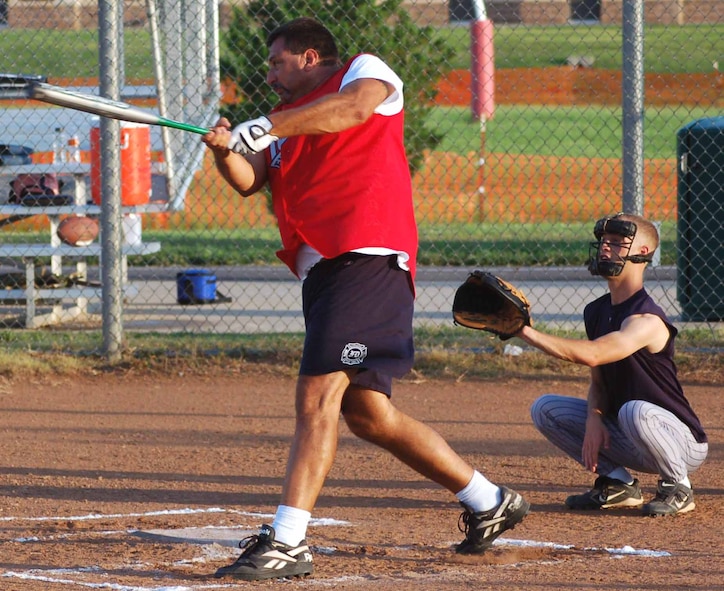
(487, 302)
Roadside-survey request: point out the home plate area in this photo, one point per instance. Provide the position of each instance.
(185, 558)
(504, 550)
(197, 535)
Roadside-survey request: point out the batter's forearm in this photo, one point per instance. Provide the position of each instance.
(239, 173)
(327, 116)
(333, 113)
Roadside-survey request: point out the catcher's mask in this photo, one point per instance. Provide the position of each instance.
(613, 267)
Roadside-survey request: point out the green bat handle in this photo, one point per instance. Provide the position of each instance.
(183, 126)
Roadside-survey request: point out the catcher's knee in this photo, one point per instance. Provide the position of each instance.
(540, 410)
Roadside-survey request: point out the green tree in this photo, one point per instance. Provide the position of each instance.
(380, 27)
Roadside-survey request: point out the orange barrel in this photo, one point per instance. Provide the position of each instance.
(135, 163)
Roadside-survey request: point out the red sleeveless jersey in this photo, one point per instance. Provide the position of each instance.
(343, 191)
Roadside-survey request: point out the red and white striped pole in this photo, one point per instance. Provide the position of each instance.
(482, 63)
(482, 67)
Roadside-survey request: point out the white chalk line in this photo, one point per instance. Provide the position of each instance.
(624, 551)
(45, 575)
(31, 576)
(92, 516)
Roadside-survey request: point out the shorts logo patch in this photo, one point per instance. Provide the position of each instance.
(354, 353)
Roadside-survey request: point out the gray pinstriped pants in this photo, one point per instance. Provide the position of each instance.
(645, 437)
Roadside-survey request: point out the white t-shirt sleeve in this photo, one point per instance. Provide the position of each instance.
(370, 66)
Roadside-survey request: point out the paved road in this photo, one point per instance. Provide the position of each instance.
(268, 299)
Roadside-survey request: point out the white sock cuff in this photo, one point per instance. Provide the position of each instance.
(480, 494)
(686, 482)
(622, 475)
(290, 525)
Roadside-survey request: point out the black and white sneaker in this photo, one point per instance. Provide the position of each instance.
(671, 498)
(482, 528)
(264, 558)
(607, 493)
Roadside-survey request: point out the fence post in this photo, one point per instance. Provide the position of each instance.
(633, 106)
(109, 41)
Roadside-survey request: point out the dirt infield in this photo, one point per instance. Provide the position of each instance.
(92, 463)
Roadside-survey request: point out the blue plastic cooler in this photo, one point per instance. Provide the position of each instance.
(195, 286)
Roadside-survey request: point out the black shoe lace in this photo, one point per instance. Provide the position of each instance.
(248, 544)
(464, 522)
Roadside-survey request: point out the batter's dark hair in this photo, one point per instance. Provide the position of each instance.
(305, 33)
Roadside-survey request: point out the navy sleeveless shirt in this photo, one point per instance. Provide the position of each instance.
(643, 375)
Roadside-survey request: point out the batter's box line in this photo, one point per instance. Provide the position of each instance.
(320, 521)
(623, 551)
(98, 516)
(31, 576)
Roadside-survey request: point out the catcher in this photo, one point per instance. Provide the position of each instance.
(636, 416)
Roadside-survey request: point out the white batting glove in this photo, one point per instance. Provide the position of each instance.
(252, 136)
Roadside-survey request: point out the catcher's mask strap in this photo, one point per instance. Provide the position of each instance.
(614, 225)
(640, 258)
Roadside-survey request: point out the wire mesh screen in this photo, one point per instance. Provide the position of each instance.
(515, 133)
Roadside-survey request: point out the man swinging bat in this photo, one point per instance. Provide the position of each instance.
(333, 155)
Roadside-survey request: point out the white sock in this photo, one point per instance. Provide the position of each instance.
(480, 494)
(621, 474)
(290, 525)
(686, 482)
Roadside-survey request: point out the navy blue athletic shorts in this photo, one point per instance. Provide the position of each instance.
(358, 315)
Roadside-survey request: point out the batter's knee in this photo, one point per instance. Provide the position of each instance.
(371, 418)
(362, 426)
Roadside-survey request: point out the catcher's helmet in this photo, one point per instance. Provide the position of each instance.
(619, 227)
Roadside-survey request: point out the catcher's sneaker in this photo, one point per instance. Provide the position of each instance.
(264, 558)
(671, 498)
(607, 493)
(482, 528)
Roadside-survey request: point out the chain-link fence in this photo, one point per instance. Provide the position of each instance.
(527, 120)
